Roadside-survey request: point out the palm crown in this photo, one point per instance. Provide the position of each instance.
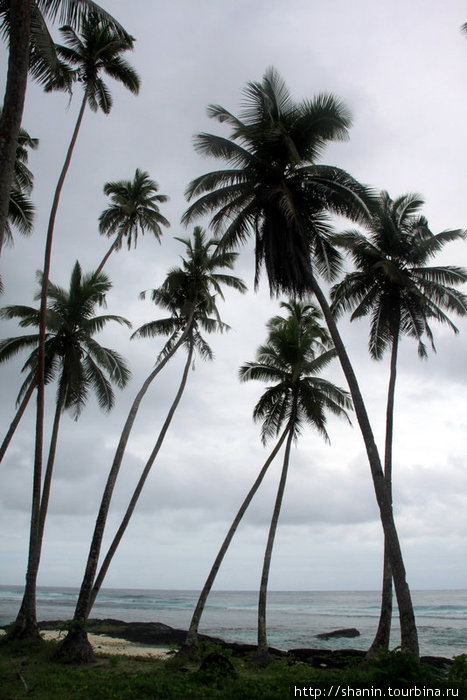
(298, 348)
(97, 49)
(189, 293)
(134, 207)
(274, 187)
(392, 282)
(72, 353)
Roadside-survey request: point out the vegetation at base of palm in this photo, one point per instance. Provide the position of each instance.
(33, 671)
(393, 284)
(190, 294)
(276, 191)
(297, 350)
(80, 364)
(134, 209)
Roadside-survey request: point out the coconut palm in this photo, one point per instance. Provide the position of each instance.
(134, 208)
(393, 284)
(80, 364)
(303, 328)
(276, 191)
(189, 294)
(23, 23)
(289, 362)
(98, 50)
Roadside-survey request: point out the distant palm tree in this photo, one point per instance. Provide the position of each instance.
(80, 364)
(134, 208)
(289, 362)
(98, 50)
(276, 190)
(31, 49)
(189, 294)
(393, 284)
(298, 347)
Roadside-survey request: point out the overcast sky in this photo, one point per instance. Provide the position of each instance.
(401, 68)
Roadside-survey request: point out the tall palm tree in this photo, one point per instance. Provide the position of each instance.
(303, 328)
(290, 361)
(276, 190)
(393, 284)
(189, 294)
(81, 364)
(98, 50)
(23, 23)
(134, 209)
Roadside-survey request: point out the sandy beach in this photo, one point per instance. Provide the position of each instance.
(102, 644)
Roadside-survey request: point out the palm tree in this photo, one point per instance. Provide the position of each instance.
(293, 343)
(81, 364)
(393, 284)
(134, 208)
(189, 294)
(97, 51)
(277, 191)
(32, 49)
(290, 361)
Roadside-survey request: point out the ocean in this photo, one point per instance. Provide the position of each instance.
(293, 617)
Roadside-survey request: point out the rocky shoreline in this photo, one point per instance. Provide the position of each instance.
(158, 634)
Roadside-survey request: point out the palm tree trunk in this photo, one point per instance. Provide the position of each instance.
(75, 646)
(191, 646)
(13, 102)
(409, 637)
(26, 619)
(383, 633)
(139, 487)
(262, 652)
(49, 470)
(114, 245)
(14, 423)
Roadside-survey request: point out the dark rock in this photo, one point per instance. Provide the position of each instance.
(347, 632)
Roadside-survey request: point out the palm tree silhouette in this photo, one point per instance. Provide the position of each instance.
(297, 349)
(80, 364)
(32, 50)
(134, 209)
(189, 294)
(276, 190)
(394, 286)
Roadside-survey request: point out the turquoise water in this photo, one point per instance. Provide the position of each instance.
(293, 617)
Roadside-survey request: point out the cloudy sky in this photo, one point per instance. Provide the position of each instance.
(401, 67)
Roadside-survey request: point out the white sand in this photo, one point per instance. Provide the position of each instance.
(103, 644)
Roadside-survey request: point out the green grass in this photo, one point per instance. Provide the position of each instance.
(31, 672)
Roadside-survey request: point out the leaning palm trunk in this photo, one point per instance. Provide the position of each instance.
(80, 646)
(15, 422)
(26, 622)
(13, 102)
(76, 646)
(113, 247)
(262, 652)
(191, 646)
(49, 471)
(383, 633)
(139, 487)
(409, 637)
